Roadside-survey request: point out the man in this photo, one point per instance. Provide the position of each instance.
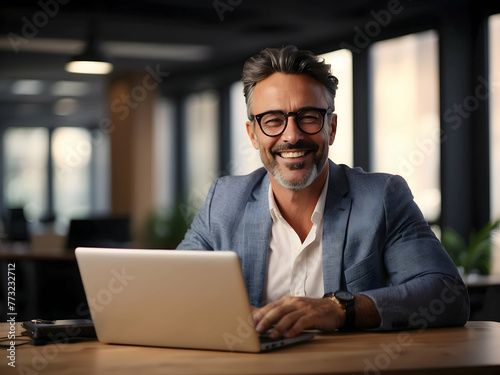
(306, 228)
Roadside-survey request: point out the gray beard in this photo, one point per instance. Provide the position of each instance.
(308, 179)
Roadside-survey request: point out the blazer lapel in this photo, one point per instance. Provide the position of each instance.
(257, 232)
(335, 219)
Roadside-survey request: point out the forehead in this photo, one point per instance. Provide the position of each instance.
(288, 92)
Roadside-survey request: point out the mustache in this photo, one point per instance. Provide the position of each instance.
(294, 146)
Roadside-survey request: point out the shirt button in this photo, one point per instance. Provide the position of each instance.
(297, 292)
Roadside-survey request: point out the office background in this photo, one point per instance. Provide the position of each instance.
(419, 95)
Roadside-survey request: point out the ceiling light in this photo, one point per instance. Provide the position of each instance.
(91, 61)
(89, 67)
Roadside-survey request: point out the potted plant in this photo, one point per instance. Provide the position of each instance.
(474, 256)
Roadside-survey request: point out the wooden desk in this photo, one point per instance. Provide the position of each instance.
(473, 349)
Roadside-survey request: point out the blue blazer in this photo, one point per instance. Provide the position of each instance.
(375, 242)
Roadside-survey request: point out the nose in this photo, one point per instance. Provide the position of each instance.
(292, 132)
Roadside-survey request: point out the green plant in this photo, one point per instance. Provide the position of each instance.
(164, 231)
(474, 256)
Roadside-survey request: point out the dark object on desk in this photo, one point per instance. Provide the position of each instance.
(59, 330)
(16, 225)
(99, 232)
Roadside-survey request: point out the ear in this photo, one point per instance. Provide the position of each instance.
(333, 129)
(252, 135)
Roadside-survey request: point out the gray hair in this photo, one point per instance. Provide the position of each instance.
(287, 60)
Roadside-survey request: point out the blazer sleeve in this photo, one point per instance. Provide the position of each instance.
(425, 288)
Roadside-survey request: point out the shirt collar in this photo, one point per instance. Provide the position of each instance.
(319, 210)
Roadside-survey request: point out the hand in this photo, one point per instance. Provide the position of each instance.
(292, 315)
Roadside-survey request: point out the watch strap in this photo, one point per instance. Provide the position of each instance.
(350, 315)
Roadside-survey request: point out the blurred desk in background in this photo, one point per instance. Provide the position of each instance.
(484, 293)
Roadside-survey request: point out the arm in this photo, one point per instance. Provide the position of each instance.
(425, 288)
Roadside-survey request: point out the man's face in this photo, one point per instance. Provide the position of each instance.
(293, 158)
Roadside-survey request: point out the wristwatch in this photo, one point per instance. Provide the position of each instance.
(346, 301)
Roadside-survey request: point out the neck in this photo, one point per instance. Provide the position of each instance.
(297, 206)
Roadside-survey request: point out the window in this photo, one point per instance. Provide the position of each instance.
(342, 149)
(71, 155)
(25, 170)
(406, 132)
(164, 154)
(494, 81)
(244, 157)
(79, 185)
(202, 141)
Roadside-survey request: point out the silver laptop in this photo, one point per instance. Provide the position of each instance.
(171, 298)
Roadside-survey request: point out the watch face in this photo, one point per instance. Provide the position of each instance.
(344, 296)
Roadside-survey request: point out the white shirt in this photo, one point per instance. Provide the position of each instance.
(295, 268)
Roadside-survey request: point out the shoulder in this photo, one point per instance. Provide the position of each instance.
(369, 187)
(359, 180)
(358, 175)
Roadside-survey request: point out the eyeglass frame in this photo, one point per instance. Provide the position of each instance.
(322, 111)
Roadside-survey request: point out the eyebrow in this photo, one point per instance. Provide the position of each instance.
(298, 110)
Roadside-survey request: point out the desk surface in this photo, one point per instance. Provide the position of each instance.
(473, 349)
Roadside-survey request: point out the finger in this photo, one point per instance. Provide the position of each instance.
(271, 314)
(259, 313)
(286, 326)
(302, 323)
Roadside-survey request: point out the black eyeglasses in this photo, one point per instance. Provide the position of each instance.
(310, 120)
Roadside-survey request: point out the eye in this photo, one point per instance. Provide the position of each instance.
(309, 116)
(272, 119)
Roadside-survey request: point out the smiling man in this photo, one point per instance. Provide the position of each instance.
(322, 246)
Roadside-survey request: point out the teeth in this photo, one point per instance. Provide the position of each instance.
(292, 154)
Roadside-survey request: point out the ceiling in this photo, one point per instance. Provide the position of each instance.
(224, 33)
(195, 41)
